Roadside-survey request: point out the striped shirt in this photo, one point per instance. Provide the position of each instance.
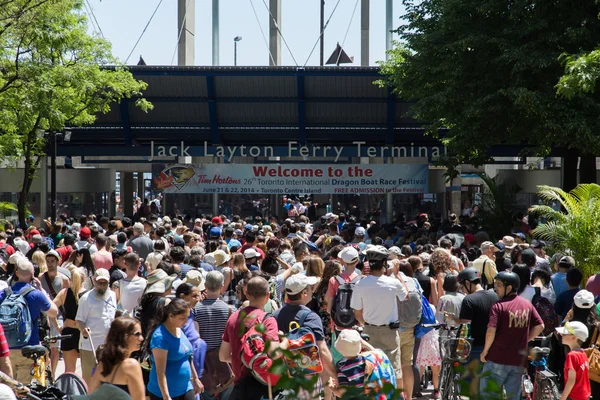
(352, 372)
(211, 316)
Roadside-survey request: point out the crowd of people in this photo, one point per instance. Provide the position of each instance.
(175, 308)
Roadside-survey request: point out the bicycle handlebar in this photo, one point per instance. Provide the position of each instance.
(32, 396)
(51, 339)
(440, 326)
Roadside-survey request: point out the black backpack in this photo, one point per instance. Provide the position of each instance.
(484, 280)
(341, 312)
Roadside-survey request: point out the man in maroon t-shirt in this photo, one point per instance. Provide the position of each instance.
(246, 387)
(513, 323)
(250, 243)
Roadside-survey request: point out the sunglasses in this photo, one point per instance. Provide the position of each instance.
(137, 334)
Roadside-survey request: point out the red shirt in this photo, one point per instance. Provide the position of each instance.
(513, 317)
(4, 351)
(233, 335)
(246, 247)
(577, 360)
(9, 249)
(64, 252)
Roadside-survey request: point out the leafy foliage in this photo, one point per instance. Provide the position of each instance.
(575, 229)
(52, 75)
(498, 206)
(484, 73)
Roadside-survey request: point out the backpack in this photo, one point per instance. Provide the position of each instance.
(302, 342)
(342, 313)
(484, 281)
(273, 292)
(427, 317)
(410, 309)
(4, 254)
(378, 373)
(546, 310)
(15, 317)
(254, 356)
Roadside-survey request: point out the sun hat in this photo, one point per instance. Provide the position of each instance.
(162, 286)
(195, 278)
(348, 343)
(574, 328)
(251, 253)
(584, 299)
(509, 242)
(298, 282)
(220, 257)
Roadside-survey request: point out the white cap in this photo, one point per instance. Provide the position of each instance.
(584, 299)
(251, 253)
(348, 255)
(360, 231)
(102, 275)
(574, 328)
(396, 250)
(298, 282)
(348, 343)
(55, 254)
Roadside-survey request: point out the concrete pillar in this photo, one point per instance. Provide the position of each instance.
(127, 193)
(186, 31)
(364, 32)
(389, 25)
(274, 37)
(43, 188)
(112, 206)
(215, 32)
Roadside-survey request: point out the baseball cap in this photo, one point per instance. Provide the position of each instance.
(194, 277)
(85, 233)
(251, 253)
(469, 237)
(520, 235)
(348, 343)
(217, 220)
(348, 255)
(54, 253)
(248, 227)
(396, 250)
(537, 244)
(298, 282)
(33, 232)
(574, 328)
(102, 274)
(566, 262)
(584, 299)
(214, 232)
(360, 231)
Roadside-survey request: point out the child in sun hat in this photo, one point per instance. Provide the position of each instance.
(576, 369)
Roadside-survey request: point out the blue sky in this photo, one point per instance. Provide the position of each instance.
(122, 22)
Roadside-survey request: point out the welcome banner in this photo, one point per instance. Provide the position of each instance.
(293, 178)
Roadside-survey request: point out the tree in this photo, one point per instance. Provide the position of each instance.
(576, 230)
(52, 74)
(498, 206)
(484, 73)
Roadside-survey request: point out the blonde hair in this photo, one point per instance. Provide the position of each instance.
(239, 263)
(314, 266)
(39, 258)
(75, 281)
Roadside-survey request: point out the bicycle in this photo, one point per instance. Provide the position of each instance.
(453, 352)
(544, 384)
(41, 372)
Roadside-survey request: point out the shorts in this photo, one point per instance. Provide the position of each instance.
(73, 342)
(407, 347)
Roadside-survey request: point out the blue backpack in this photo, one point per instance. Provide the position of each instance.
(15, 317)
(427, 317)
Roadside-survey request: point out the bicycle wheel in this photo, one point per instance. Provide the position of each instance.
(456, 388)
(446, 380)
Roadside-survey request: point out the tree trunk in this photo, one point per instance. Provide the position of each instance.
(587, 169)
(30, 169)
(569, 169)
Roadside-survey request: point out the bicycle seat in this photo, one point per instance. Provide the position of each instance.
(33, 352)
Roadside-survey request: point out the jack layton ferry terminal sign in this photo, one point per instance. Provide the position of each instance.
(295, 149)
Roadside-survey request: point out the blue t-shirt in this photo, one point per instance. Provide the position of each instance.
(564, 302)
(206, 267)
(37, 302)
(177, 371)
(184, 268)
(559, 282)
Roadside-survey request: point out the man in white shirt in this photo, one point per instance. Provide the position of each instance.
(130, 289)
(95, 314)
(374, 301)
(487, 261)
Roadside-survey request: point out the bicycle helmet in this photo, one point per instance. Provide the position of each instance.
(468, 275)
(377, 253)
(509, 278)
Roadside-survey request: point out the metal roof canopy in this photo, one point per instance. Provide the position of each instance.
(254, 106)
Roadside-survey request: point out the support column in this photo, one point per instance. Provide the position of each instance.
(186, 31)
(112, 206)
(389, 201)
(389, 26)
(43, 188)
(215, 205)
(364, 32)
(127, 193)
(274, 37)
(140, 185)
(215, 32)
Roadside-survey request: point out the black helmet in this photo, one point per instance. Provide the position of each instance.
(468, 275)
(509, 278)
(377, 253)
